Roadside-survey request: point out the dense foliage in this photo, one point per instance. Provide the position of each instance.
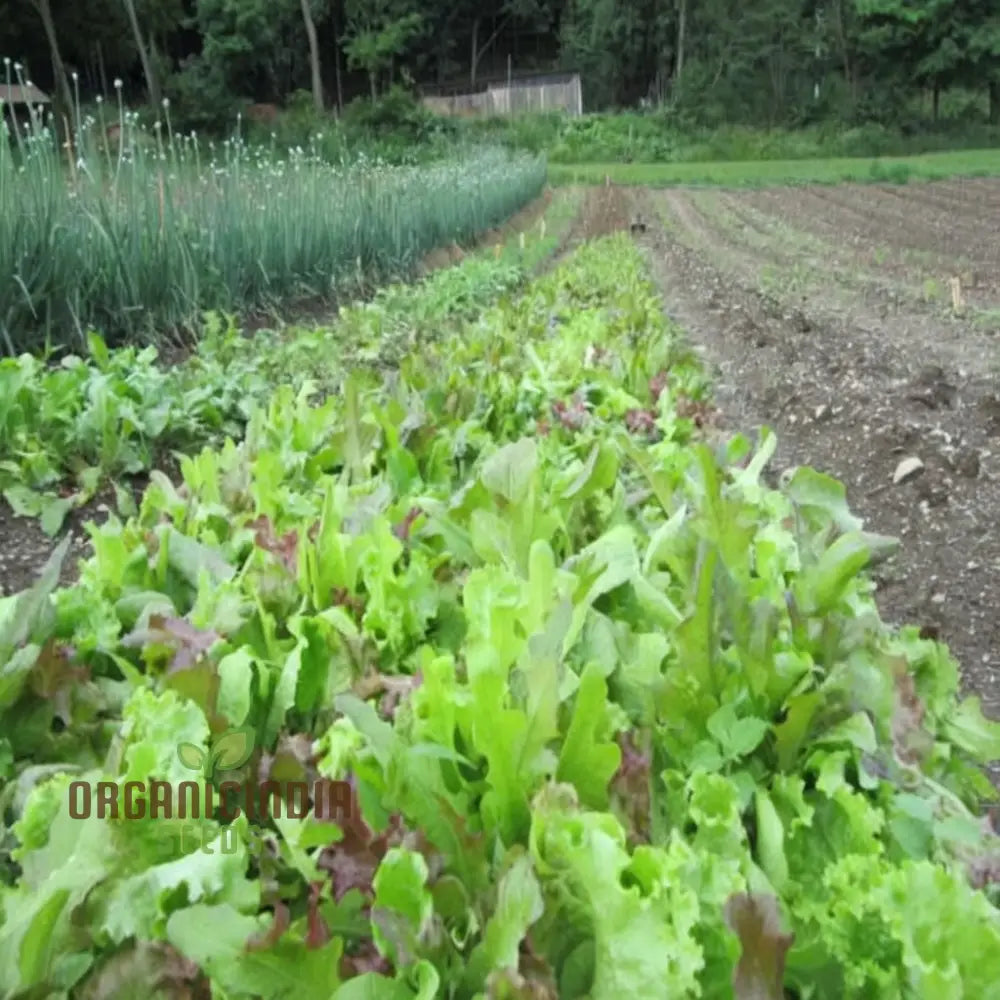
(144, 233)
(616, 711)
(713, 61)
(656, 137)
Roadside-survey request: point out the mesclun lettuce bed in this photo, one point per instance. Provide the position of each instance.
(67, 429)
(621, 718)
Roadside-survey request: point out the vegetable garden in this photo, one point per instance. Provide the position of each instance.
(618, 711)
(615, 704)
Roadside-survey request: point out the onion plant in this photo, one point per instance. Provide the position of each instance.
(135, 233)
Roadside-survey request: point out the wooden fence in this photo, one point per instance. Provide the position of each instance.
(517, 98)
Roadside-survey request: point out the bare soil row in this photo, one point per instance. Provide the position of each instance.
(853, 380)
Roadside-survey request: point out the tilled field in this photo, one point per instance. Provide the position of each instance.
(827, 315)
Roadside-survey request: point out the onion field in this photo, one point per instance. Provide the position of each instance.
(136, 236)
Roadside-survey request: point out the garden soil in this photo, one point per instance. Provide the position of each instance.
(856, 370)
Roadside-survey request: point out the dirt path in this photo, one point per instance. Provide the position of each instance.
(852, 393)
(604, 211)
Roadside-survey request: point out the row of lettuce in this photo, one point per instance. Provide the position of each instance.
(90, 423)
(619, 717)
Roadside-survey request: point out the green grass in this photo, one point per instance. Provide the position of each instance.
(931, 166)
(660, 137)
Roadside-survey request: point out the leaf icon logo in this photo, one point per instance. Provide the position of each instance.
(229, 752)
(190, 756)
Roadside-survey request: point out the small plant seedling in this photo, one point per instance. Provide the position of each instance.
(931, 290)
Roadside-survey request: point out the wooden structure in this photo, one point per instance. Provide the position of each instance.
(16, 96)
(552, 92)
(21, 102)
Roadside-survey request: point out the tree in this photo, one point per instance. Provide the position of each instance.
(250, 44)
(378, 33)
(620, 51)
(590, 44)
(64, 96)
(148, 68)
(314, 61)
(923, 38)
(771, 61)
(336, 19)
(682, 8)
(980, 30)
(534, 13)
